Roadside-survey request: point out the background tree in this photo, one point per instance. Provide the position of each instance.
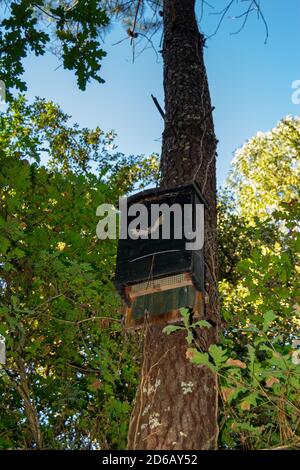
(69, 378)
(266, 170)
(258, 364)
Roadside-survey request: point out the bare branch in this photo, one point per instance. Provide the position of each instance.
(254, 6)
(158, 106)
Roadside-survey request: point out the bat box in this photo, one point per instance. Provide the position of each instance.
(160, 264)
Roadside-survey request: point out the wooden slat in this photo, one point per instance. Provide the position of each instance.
(187, 281)
(171, 317)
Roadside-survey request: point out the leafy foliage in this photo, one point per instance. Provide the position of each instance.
(71, 29)
(70, 376)
(260, 298)
(266, 170)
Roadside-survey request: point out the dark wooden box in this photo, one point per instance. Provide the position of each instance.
(143, 260)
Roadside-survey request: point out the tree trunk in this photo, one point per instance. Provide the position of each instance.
(31, 413)
(176, 403)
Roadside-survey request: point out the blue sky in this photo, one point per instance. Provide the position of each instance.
(250, 83)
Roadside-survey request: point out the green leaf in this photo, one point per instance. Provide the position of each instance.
(251, 354)
(229, 394)
(248, 401)
(199, 358)
(171, 328)
(201, 324)
(218, 355)
(184, 312)
(269, 317)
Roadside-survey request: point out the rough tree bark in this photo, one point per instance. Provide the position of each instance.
(176, 403)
